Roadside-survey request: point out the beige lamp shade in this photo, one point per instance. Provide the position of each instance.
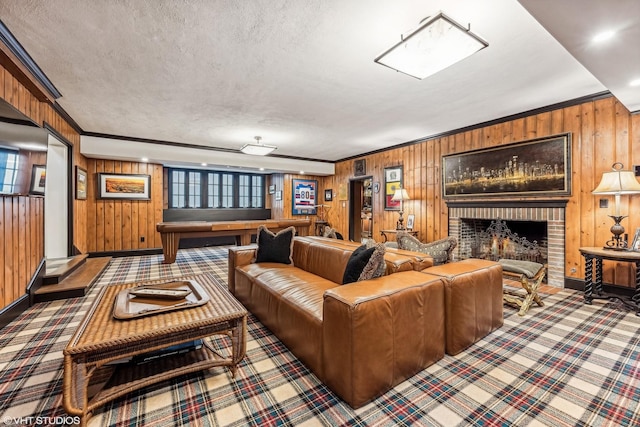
(618, 182)
(400, 195)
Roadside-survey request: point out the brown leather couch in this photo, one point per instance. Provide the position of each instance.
(363, 338)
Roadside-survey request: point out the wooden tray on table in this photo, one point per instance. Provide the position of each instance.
(146, 300)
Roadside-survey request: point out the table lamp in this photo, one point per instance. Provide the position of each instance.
(617, 182)
(400, 195)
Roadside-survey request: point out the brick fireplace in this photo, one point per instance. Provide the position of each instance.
(551, 212)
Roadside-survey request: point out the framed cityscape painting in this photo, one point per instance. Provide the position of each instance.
(538, 167)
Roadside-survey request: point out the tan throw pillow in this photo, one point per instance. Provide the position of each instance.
(438, 250)
(376, 265)
(329, 232)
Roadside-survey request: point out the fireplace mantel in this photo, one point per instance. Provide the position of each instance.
(554, 203)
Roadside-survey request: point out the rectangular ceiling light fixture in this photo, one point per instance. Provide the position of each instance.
(437, 43)
(257, 149)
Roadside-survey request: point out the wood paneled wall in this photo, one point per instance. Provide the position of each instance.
(115, 225)
(603, 132)
(22, 228)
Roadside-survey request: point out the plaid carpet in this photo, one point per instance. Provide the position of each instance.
(566, 364)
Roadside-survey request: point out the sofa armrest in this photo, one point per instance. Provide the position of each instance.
(379, 332)
(239, 256)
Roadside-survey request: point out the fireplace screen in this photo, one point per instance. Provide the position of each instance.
(499, 241)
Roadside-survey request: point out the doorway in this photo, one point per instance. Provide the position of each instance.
(361, 209)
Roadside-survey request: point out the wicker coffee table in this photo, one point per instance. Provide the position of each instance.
(90, 378)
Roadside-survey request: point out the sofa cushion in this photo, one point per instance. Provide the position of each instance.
(438, 250)
(275, 247)
(528, 268)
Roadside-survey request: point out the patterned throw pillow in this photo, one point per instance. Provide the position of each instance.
(438, 250)
(376, 265)
(358, 260)
(382, 266)
(275, 247)
(364, 264)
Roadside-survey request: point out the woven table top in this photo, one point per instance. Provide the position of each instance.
(100, 331)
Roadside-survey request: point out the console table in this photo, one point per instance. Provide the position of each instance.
(599, 254)
(385, 232)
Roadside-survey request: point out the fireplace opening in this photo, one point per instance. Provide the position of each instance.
(497, 239)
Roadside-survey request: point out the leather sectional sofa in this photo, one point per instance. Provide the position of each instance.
(363, 338)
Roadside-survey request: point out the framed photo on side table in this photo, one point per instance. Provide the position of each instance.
(410, 219)
(635, 243)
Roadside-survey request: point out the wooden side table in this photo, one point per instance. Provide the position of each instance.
(385, 232)
(590, 284)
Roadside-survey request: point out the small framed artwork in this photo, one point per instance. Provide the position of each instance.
(81, 183)
(272, 189)
(392, 182)
(635, 243)
(360, 167)
(304, 197)
(124, 186)
(38, 180)
(410, 219)
(278, 195)
(328, 195)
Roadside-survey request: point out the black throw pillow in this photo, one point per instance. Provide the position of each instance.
(358, 260)
(275, 247)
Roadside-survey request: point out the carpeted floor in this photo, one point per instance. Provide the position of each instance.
(567, 364)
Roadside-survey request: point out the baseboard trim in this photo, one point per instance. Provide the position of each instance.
(13, 310)
(132, 252)
(36, 281)
(578, 285)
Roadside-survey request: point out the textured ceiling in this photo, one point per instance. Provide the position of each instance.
(298, 73)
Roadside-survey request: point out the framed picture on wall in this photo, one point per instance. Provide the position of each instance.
(328, 195)
(538, 167)
(124, 186)
(81, 183)
(303, 199)
(392, 182)
(38, 180)
(278, 195)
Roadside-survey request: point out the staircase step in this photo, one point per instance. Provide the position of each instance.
(58, 269)
(75, 284)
